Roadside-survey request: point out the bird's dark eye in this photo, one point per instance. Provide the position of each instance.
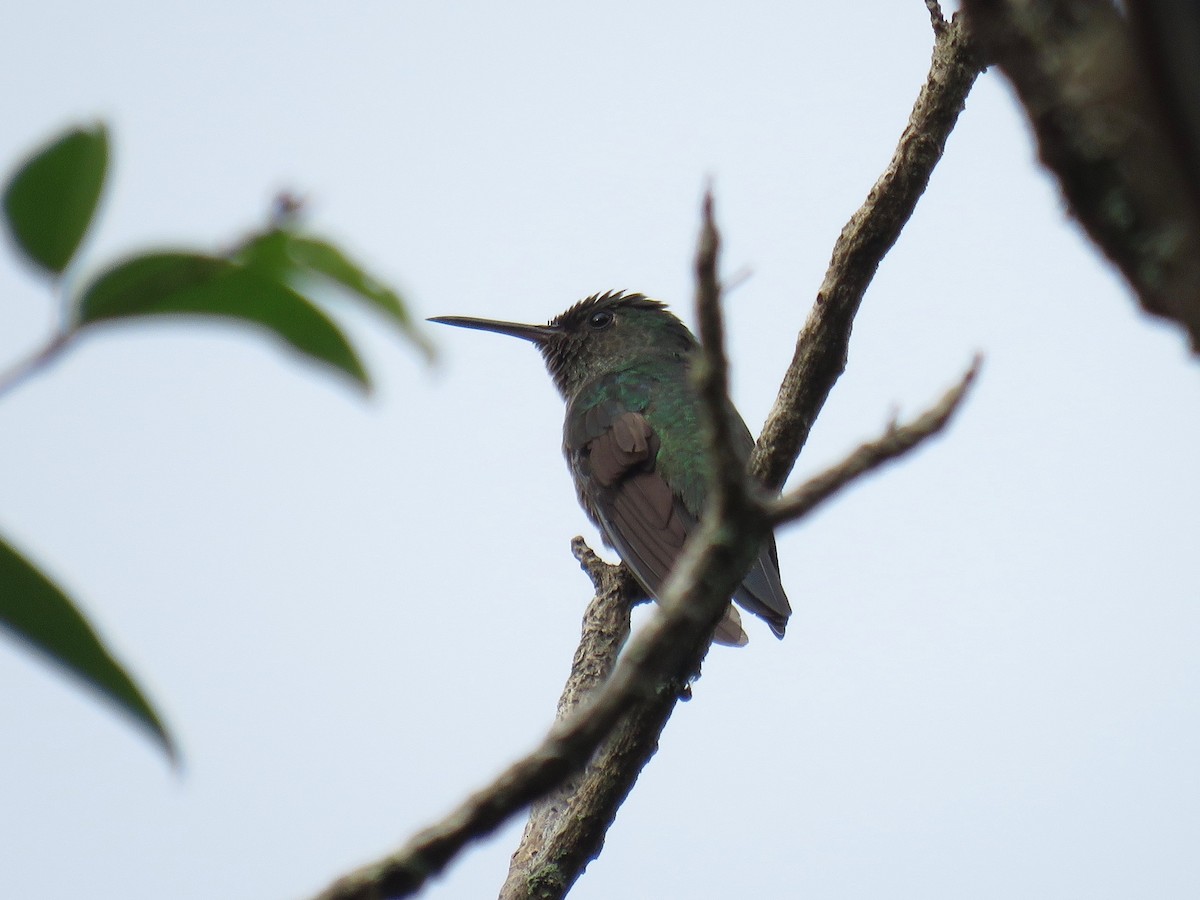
(600, 320)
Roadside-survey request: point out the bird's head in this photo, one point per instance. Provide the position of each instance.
(600, 334)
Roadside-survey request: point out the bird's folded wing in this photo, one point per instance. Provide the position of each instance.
(636, 507)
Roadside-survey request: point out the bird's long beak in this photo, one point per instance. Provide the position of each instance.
(538, 334)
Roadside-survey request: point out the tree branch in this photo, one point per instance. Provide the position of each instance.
(823, 345)
(566, 830)
(1107, 134)
(605, 625)
(605, 630)
(27, 368)
(894, 443)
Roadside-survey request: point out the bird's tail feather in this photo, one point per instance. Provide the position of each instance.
(729, 630)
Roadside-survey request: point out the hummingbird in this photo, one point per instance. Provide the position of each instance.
(633, 441)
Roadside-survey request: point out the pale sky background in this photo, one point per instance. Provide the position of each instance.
(353, 612)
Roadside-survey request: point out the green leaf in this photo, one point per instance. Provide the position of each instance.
(190, 284)
(267, 254)
(35, 610)
(50, 201)
(326, 259)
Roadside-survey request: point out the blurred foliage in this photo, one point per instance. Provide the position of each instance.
(50, 201)
(49, 204)
(36, 610)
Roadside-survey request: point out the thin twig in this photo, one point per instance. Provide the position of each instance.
(27, 368)
(711, 370)
(895, 442)
(935, 15)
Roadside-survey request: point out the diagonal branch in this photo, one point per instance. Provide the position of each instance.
(30, 366)
(823, 345)
(605, 630)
